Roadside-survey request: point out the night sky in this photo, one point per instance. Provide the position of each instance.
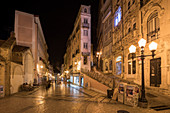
(57, 20)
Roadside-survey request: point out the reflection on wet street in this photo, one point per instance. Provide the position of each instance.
(62, 90)
(63, 98)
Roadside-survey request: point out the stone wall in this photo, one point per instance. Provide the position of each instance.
(94, 85)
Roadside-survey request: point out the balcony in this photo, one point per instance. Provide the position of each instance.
(153, 35)
(85, 25)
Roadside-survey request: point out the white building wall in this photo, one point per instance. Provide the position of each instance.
(86, 39)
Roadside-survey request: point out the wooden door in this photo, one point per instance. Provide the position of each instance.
(155, 72)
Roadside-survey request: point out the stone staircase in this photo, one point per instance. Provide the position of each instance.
(162, 91)
(100, 78)
(109, 80)
(113, 81)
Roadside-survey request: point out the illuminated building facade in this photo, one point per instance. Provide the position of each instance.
(29, 33)
(78, 52)
(133, 20)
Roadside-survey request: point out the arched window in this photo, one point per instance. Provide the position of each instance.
(117, 16)
(131, 64)
(153, 26)
(119, 65)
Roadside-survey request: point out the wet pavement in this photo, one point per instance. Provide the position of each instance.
(65, 99)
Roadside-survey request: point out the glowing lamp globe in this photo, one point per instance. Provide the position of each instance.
(41, 66)
(142, 42)
(153, 46)
(132, 49)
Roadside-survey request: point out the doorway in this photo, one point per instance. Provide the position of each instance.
(155, 72)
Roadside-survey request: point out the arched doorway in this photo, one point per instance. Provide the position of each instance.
(16, 79)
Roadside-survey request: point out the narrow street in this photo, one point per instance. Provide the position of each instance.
(64, 99)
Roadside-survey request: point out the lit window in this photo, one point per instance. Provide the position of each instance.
(131, 64)
(118, 65)
(117, 17)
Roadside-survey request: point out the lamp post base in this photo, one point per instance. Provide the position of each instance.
(143, 103)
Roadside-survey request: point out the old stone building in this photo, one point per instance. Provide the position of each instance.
(155, 25)
(107, 36)
(16, 66)
(125, 33)
(132, 21)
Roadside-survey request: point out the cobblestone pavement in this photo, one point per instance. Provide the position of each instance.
(65, 99)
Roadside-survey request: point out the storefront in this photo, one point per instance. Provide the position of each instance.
(82, 81)
(76, 80)
(71, 79)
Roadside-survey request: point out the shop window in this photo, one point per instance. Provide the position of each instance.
(76, 80)
(119, 65)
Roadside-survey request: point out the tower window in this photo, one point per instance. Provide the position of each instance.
(85, 10)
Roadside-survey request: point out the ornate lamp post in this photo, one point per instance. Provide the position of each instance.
(153, 46)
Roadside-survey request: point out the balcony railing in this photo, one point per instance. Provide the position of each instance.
(153, 35)
(85, 25)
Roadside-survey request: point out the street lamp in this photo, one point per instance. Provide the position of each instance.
(41, 66)
(132, 49)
